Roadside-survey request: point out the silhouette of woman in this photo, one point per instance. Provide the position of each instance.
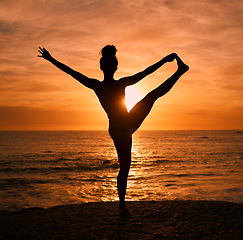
(111, 94)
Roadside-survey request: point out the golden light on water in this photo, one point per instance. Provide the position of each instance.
(132, 97)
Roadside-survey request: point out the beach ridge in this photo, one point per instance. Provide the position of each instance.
(149, 220)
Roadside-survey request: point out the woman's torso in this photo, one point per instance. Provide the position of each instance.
(112, 98)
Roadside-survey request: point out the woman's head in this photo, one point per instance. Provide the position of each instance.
(108, 61)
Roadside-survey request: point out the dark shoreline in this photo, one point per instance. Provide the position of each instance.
(149, 220)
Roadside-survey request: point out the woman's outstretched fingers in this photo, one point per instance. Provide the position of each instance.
(44, 53)
(40, 51)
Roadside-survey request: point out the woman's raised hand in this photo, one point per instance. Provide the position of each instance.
(44, 53)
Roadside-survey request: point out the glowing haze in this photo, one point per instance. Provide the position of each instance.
(206, 34)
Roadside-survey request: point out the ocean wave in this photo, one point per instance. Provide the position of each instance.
(50, 168)
(166, 161)
(23, 182)
(193, 175)
(67, 158)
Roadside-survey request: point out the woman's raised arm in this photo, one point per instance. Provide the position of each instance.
(127, 81)
(87, 82)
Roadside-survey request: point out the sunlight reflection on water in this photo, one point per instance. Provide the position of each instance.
(52, 168)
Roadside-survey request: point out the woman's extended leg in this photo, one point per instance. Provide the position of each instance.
(123, 147)
(143, 107)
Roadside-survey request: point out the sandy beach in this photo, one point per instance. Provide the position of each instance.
(149, 220)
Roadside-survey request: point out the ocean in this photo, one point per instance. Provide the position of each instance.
(48, 168)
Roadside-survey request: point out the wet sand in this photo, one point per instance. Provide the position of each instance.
(149, 220)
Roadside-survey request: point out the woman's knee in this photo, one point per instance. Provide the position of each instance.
(125, 167)
(123, 173)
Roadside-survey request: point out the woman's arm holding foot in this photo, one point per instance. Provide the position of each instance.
(127, 81)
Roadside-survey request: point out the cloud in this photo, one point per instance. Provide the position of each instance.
(29, 118)
(206, 34)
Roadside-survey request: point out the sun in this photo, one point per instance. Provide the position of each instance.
(132, 97)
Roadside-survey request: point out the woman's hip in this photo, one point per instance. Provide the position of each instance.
(120, 129)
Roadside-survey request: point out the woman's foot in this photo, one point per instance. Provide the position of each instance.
(124, 210)
(181, 65)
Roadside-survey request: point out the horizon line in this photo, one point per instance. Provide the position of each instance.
(93, 130)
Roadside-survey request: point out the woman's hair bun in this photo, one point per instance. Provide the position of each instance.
(108, 51)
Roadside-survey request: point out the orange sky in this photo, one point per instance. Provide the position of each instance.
(206, 34)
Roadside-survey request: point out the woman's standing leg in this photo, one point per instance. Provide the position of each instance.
(143, 107)
(123, 147)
